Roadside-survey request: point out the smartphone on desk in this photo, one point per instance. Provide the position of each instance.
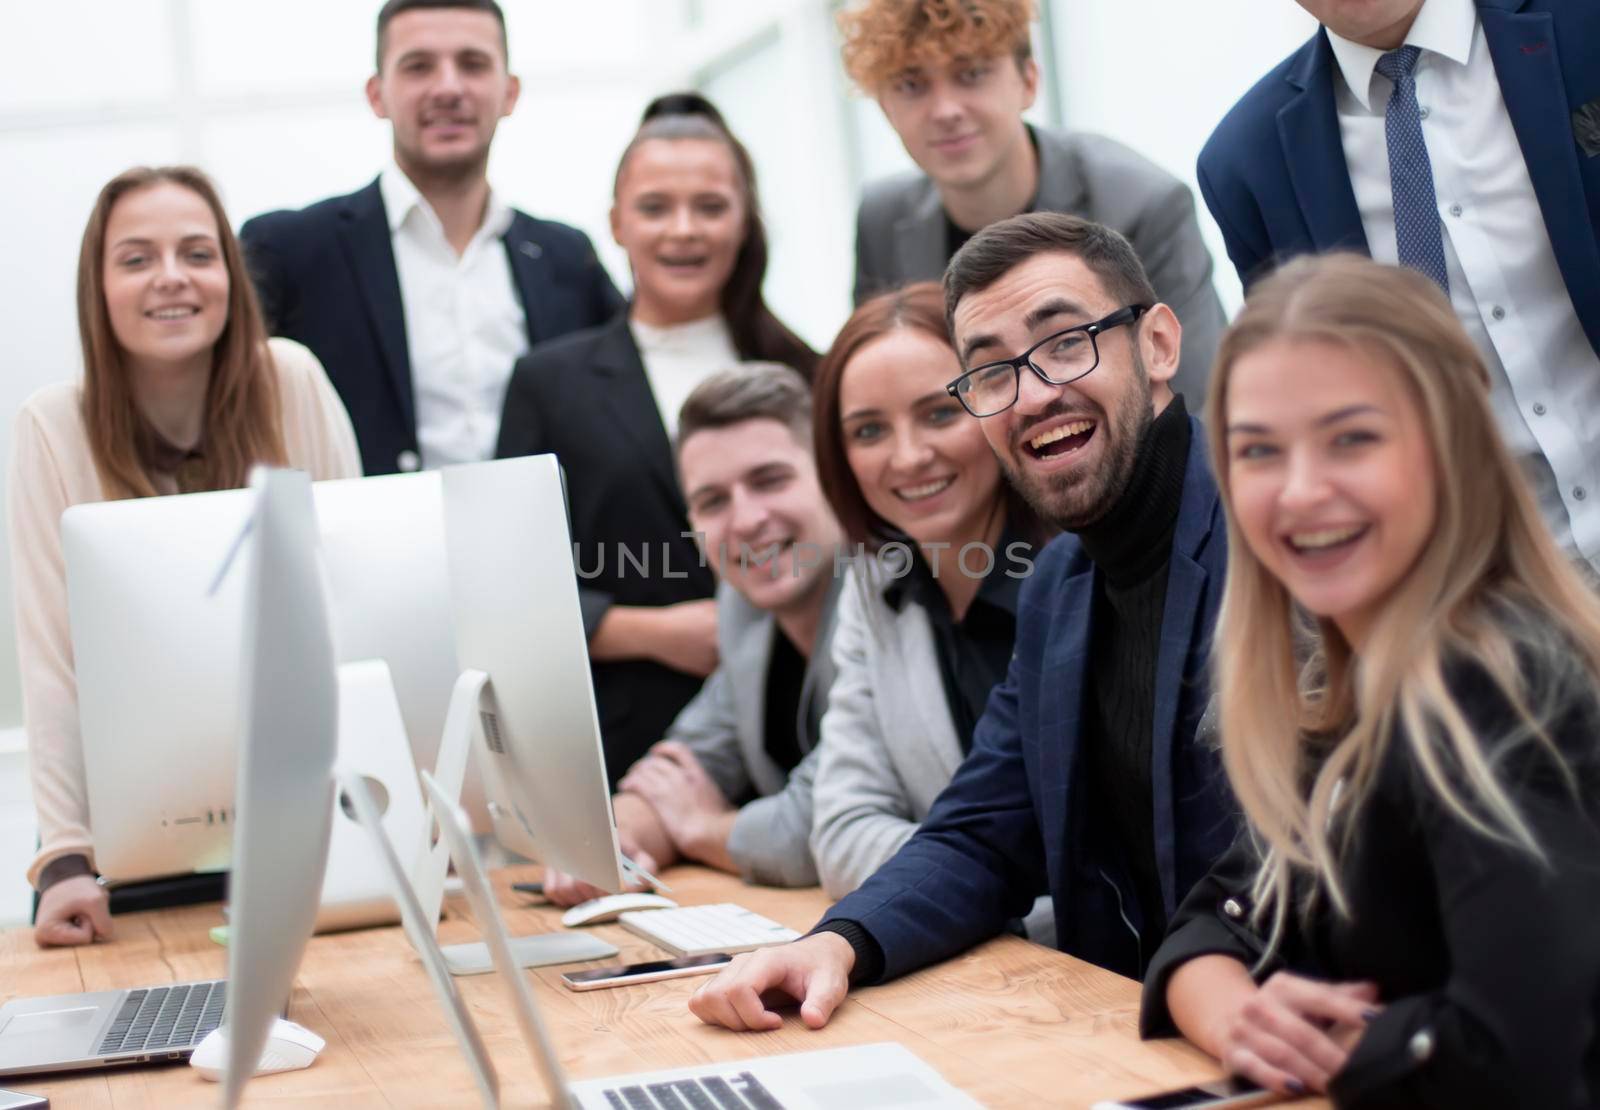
(622, 975)
(1231, 1093)
(16, 1100)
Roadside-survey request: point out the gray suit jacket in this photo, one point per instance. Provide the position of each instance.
(725, 725)
(900, 233)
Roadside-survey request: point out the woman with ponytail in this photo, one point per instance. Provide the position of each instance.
(606, 400)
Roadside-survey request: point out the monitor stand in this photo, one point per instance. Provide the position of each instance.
(461, 724)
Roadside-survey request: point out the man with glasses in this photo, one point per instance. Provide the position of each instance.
(1089, 772)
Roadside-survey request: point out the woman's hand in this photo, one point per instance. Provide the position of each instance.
(73, 911)
(1294, 1034)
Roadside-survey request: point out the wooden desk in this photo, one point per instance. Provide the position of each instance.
(1012, 1023)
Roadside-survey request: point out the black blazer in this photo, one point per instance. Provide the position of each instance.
(1487, 961)
(327, 278)
(585, 397)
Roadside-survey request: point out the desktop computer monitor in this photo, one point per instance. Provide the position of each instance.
(288, 726)
(514, 596)
(156, 656)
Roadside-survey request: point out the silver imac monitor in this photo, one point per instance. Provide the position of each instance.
(288, 713)
(514, 596)
(156, 651)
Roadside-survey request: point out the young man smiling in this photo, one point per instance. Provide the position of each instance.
(730, 785)
(1088, 774)
(953, 77)
(420, 291)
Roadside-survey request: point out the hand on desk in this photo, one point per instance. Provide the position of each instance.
(690, 806)
(564, 890)
(1295, 1034)
(73, 911)
(814, 971)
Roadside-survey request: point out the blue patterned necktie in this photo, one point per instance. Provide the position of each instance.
(1416, 208)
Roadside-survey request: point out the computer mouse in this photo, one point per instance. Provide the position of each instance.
(597, 911)
(289, 1046)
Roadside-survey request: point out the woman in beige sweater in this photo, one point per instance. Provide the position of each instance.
(182, 391)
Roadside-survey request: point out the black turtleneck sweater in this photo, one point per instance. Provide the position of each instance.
(1131, 546)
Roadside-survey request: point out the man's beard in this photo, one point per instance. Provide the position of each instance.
(1076, 499)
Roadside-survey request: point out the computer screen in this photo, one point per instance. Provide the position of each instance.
(514, 599)
(288, 712)
(156, 650)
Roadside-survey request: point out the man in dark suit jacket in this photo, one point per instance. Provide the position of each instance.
(954, 89)
(1505, 95)
(420, 291)
(1088, 774)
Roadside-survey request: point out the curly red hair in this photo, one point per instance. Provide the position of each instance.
(884, 38)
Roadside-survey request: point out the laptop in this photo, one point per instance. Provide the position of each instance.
(68, 1032)
(865, 1075)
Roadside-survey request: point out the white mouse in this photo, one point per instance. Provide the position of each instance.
(597, 911)
(289, 1046)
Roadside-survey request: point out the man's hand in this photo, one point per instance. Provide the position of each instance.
(1295, 1034)
(814, 971)
(73, 911)
(689, 803)
(564, 890)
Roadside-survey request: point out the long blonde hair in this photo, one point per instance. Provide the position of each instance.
(1304, 723)
(243, 425)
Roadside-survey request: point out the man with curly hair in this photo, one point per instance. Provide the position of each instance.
(953, 77)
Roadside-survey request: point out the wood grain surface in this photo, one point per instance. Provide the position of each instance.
(1011, 1023)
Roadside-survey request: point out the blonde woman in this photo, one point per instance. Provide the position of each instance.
(181, 391)
(1407, 672)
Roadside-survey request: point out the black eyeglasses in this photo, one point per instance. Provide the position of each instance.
(1057, 359)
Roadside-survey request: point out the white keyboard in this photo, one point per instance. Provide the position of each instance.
(696, 930)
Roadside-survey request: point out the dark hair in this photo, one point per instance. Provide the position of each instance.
(915, 308)
(749, 391)
(758, 335)
(395, 7)
(1001, 247)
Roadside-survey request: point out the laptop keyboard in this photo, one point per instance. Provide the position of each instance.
(165, 1019)
(714, 1092)
(697, 930)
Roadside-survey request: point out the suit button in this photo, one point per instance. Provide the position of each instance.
(1421, 1045)
(408, 461)
(1232, 908)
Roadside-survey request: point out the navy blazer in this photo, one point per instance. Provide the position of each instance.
(326, 276)
(1274, 176)
(1014, 819)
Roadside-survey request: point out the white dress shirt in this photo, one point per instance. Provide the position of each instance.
(679, 357)
(1504, 281)
(465, 325)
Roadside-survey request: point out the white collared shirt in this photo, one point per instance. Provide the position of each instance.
(465, 325)
(1505, 284)
(679, 357)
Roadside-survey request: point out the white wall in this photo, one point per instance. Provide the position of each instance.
(1160, 74)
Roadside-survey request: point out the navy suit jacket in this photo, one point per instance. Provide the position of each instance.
(1273, 173)
(1015, 819)
(326, 276)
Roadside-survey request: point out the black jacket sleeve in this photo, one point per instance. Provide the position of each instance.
(1214, 920)
(1515, 1023)
(522, 432)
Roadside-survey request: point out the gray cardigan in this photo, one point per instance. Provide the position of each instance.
(889, 745)
(725, 725)
(900, 232)
(888, 742)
